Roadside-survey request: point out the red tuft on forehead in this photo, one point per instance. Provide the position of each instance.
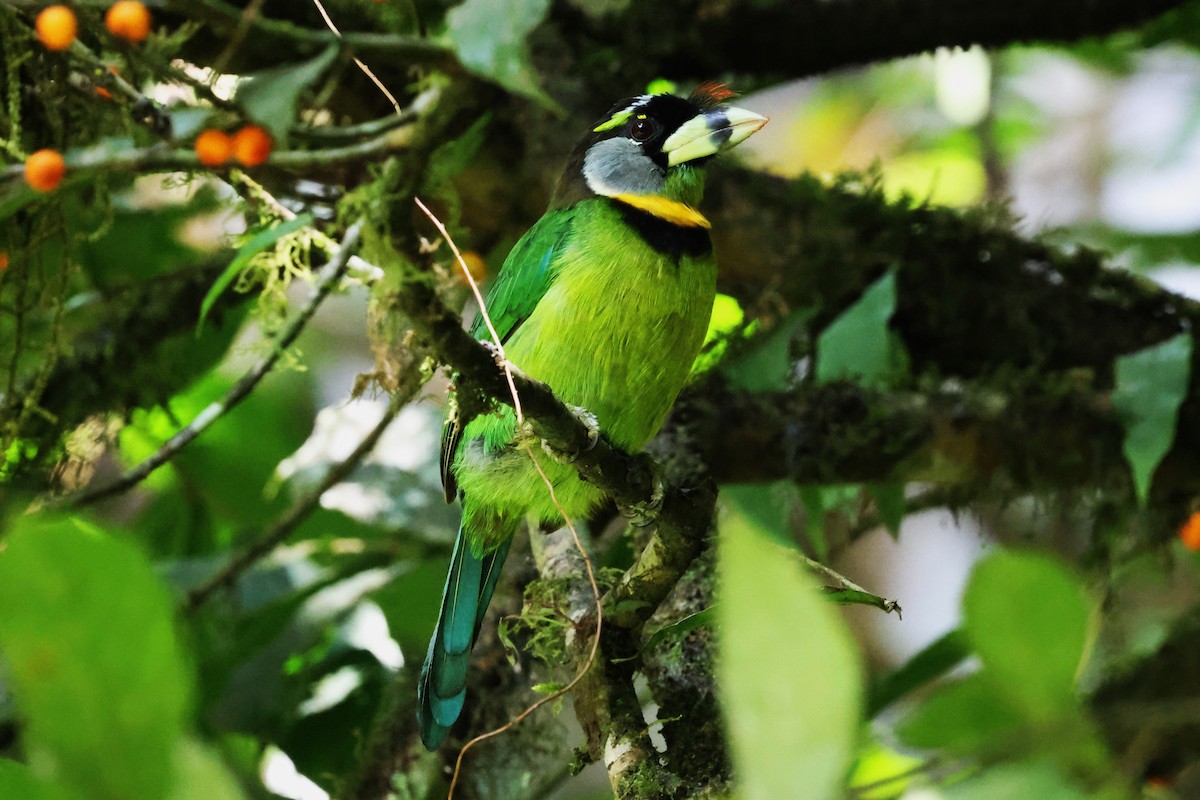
(711, 93)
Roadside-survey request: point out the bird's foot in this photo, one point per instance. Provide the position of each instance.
(589, 421)
(646, 512)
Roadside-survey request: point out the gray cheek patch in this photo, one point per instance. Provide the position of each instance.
(618, 166)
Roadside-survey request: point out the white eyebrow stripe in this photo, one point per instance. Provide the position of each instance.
(638, 102)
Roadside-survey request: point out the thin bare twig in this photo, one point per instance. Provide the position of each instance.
(487, 318)
(366, 70)
(329, 277)
(284, 526)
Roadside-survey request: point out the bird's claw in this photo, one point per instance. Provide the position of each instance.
(642, 514)
(589, 421)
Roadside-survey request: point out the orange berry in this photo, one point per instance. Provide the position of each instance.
(56, 27)
(44, 170)
(1189, 532)
(129, 20)
(251, 146)
(3, 260)
(213, 147)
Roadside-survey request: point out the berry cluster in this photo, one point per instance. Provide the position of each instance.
(129, 20)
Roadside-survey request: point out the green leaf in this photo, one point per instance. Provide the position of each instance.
(256, 244)
(87, 635)
(202, 775)
(188, 121)
(1028, 619)
(890, 502)
(489, 36)
(815, 504)
(857, 345)
(820, 501)
(963, 717)
(767, 365)
(769, 508)
(19, 781)
(1017, 782)
(787, 669)
(682, 627)
(1151, 384)
(451, 158)
(724, 324)
(140, 244)
(934, 661)
(270, 96)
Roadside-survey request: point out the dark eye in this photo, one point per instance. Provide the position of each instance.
(641, 130)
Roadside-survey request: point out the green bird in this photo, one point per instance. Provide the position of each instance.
(606, 299)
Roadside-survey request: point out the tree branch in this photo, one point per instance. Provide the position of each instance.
(328, 279)
(809, 37)
(278, 532)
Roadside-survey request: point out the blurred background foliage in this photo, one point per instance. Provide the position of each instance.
(1047, 631)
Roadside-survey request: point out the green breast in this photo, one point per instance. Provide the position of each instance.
(619, 328)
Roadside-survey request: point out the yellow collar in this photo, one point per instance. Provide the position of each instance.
(671, 211)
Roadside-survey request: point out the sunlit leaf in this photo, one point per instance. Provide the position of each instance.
(1151, 384)
(1028, 619)
(87, 634)
(726, 320)
(489, 36)
(939, 177)
(857, 345)
(787, 668)
(270, 96)
(885, 769)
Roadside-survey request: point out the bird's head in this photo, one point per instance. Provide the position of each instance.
(650, 146)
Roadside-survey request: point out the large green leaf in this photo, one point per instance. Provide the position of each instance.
(962, 718)
(270, 96)
(87, 635)
(489, 36)
(1028, 619)
(1151, 384)
(787, 668)
(19, 781)
(1021, 781)
(932, 662)
(857, 345)
(766, 364)
(142, 243)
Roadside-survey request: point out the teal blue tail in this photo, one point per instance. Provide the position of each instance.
(443, 686)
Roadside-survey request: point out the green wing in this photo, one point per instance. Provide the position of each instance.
(524, 279)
